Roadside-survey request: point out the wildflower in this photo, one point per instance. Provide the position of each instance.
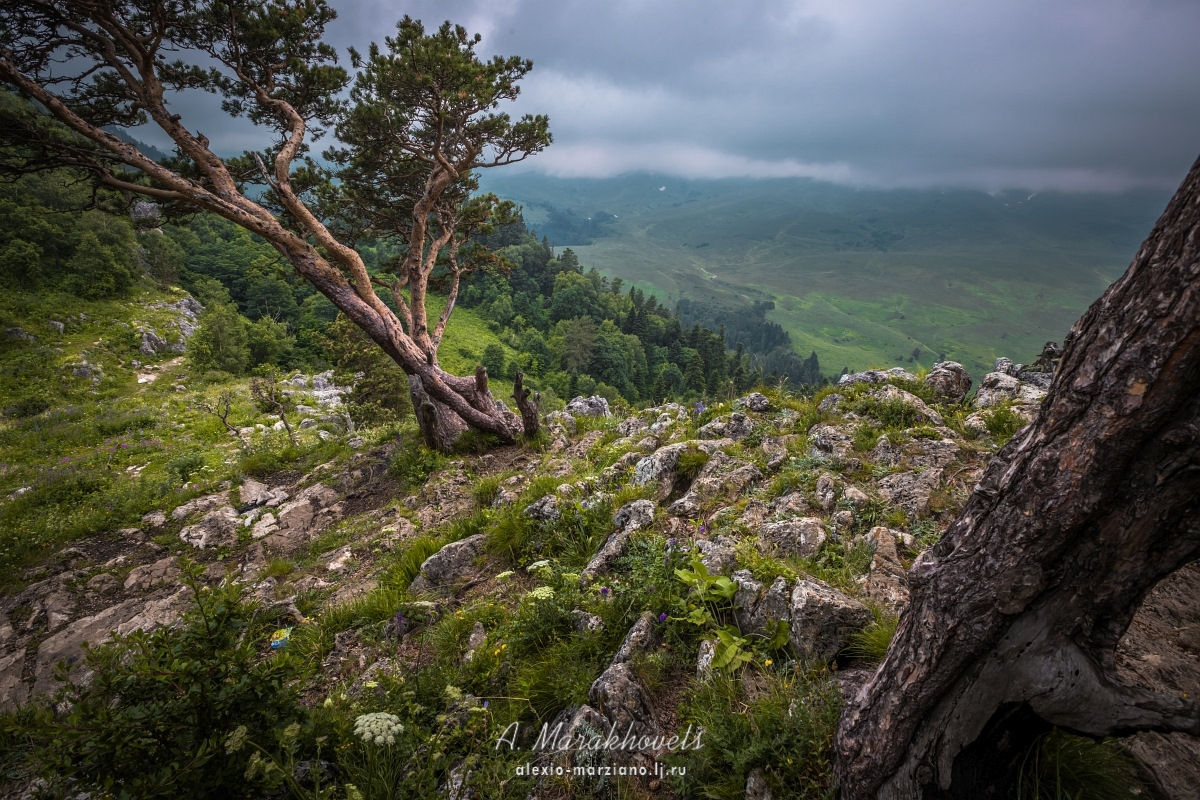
(768, 663)
(235, 740)
(541, 593)
(379, 728)
(485, 703)
(508, 573)
(400, 620)
(604, 590)
(663, 618)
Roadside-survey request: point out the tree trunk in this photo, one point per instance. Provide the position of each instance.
(527, 407)
(441, 426)
(1016, 612)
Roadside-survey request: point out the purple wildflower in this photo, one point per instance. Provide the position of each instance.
(662, 617)
(604, 590)
(485, 703)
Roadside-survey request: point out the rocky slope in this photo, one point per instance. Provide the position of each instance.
(813, 509)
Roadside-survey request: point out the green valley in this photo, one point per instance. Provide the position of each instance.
(861, 277)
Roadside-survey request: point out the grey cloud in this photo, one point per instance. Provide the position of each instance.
(1071, 94)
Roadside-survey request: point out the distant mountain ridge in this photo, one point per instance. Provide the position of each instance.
(861, 276)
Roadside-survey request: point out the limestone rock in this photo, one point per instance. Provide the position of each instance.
(910, 490)
(594, 406)
(885, 453)
(623, 701)
(642, 638)
(585, 622)
(475, 640)
(198, 504)
(887, 582)
(543, 510)
(949, 380)
(876, 376)
(718, 557)
(721, 475)
(736, 426)
(855, 496)
(826, 491)
(450, 563)
(103, 583)
(755, 514)
(998, 388)
(147, 576)
(632, 426)
(801, 537)
(125, 618)
(704, 658)
(13, 690)
(300, 520)
(754, 402)
(829, 404)
(934, 453)
(339, 559)
(828, 441)
(217, 528)
(823, 619)
(757, 610)
(756, 786)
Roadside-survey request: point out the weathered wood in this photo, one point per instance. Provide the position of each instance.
(1016, 612)
(528, 408)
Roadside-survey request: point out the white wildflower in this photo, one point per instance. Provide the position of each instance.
(379, 728)
(540, 593)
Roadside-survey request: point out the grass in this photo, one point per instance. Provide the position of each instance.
(1061, 766)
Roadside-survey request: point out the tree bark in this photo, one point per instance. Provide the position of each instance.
(1016, 612)
(528, 408)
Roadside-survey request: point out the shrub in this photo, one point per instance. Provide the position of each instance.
(185, 466)
(785, 729)
(1002, 423)
(154, 719)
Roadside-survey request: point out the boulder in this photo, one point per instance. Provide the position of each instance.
(736, 426)
(631, 517)
(721, 475)
(634, 516)
(564, 421)
(934, 453)
(641, 638)
(147, 576)
(910, 490)
(756, 786)
(829, 442)
(632, 426)
(826, 491)
(887, 583)
(584, 622)
(594, 406)
(717, 557)
(886, 453)
(449, 564)
(949, 380)
(704, 658)
(855, 496)
(659, 467)
(876, 376)
(543, 510)
(998, 388)
(758, 610)
(254, 494)
(829, 404)
(199, 504)
(217, 528)
(622, 700)
(801, 537)
(754, 401)
(823, 619)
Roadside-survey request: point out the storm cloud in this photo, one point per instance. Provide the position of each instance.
(1069, 94)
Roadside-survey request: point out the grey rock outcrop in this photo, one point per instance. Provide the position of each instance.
(594, 406)
(876, 376)
(721, 475)
(887, 582)
(949, 380)
(736, 426)
(623, 701)
(641, 638)
(755, 401)
(998, 388)
(800, 537)
(217, 528)
(451, 563)
(823, 619)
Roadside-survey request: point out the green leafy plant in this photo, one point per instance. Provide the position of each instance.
(154, 718)
(1002, 423)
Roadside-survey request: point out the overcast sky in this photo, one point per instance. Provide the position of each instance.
(1074, 94)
